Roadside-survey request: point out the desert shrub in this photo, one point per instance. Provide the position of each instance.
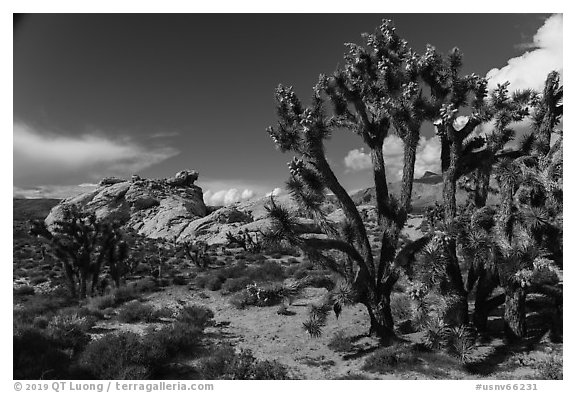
(401, 306)
(232, 285)
(214, 283)
(277, 250)
(124, 294)
(135, 311)
(340, 342)
(200, 281)
(195, 315)
(40, 322)
(144, 285)
(268, 370)
(91, 314)
(242, 299)
(143, 268)
(267, 271)
(24, 290)
(38, 280)
(388, 359)
(550, 368)
(164, 312)
(225, 363)
(37, 356)
(70, 331)
(172, 340)
(38, 305)
(300, 269)
(353, 376)
(118, 356)
(301, 273)
(234, 271)
(179, 280)
(318, 280)
(20, 273)
(261, 296)
(101, 302)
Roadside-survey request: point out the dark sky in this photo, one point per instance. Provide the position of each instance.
(162, 92)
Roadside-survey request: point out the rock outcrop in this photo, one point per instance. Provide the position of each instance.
(154, 208)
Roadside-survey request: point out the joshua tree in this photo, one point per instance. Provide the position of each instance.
(378, 88)
(245, 240)
(504, 109)
(346, 250)
(548, 112)
(530, 193)
(84, 246)
(196, 251)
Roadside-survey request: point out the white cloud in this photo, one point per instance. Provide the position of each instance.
(52, 191)
(427, 158)
(40, 155)
(357, 160)
(164, 134)
(227, 197)
(530, 69)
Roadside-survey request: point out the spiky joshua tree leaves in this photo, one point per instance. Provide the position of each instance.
(518, 244)
(85, 247)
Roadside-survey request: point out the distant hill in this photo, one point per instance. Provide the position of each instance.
(425, 192)
(32, 209)
(429, 178)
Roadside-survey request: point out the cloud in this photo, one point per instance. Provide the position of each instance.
(427, 158)
(530, 69)
(52, 191)
(165, 134)
(357, 160)
(40, 155)
(227, 197)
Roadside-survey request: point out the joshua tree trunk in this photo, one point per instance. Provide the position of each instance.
(380, 180)
(348, 206)
(449, 180)
(482, 304)
(515, 313)
(381, 321)
(482, 187)
(83, 285)
(410, 146)
(456, 287)
(70, 279)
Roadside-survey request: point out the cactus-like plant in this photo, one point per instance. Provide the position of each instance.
(85, 246)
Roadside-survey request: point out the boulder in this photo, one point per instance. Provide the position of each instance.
(185, 178)
(108, 181)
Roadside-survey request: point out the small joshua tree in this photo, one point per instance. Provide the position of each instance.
(196, 251)
(85, 246)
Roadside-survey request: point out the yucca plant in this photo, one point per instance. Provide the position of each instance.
(459, 341)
